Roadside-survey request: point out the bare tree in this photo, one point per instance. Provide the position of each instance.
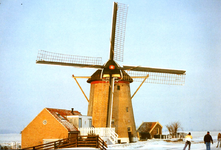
(173, 128)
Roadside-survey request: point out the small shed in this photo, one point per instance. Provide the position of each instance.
(49, 125)
(148, 130)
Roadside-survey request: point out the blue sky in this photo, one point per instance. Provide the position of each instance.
(183, 34)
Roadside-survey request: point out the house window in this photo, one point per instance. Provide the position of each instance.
(126, 109)
(128, 129)
(44, 122)
(80, 123)
(90, 123)
(62, 118)
(118, 87)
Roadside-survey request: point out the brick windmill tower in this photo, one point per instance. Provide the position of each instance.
(110, 102)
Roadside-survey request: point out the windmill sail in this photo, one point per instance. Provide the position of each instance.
(158, 78)
(120, 32)
(45, 57)
(157, 75)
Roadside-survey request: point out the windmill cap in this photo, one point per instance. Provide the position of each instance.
(97, 77)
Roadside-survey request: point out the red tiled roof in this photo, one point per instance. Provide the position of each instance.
(64, 112)
(61, 116)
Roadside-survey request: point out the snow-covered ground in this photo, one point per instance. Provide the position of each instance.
(10, 140)
(162, 145)
(173, 144)
(153, 144)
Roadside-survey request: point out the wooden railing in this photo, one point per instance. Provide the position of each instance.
(81, 141)
(102, 132)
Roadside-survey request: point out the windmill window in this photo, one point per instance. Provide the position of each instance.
(118, 87)
(126, 109)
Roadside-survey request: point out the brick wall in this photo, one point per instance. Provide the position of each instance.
(97, 107)
(123, 110)
(44, 126)
(122, 115)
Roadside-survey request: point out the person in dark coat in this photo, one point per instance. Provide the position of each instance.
(207, 140)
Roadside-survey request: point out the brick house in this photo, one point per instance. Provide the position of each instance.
(49, 125)
(148, 130)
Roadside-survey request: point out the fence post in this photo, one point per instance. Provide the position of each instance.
(77, 142)
(55, 145)
(97, 144)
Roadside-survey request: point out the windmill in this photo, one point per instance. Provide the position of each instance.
(110, 99)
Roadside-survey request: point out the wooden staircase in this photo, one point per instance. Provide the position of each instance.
(81, 141)
(104, 133)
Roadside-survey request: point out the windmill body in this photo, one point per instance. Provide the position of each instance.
(122, 111)
(110, 102)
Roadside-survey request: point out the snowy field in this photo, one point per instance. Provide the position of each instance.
(162, 145)
(10, 140)
(153, 144)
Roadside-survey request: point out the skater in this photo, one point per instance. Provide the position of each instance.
(218, 140)
(207, 140)
(188, 138)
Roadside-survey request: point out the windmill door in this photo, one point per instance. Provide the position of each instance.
(130, 137)
(129, 134)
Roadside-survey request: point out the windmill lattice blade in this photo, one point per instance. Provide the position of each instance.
(120, 31)
(45, 57)
(158, 78)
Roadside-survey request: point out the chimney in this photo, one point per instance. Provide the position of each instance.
(72, 111)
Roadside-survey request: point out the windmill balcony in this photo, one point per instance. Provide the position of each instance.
(107, 134)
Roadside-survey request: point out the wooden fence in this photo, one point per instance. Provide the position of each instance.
(81, 141)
